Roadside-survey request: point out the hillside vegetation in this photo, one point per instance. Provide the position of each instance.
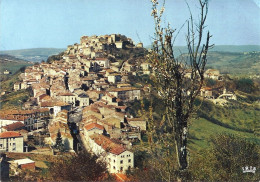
(12, 63)
(235, 63)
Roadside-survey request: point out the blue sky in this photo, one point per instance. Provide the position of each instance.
(58, 23)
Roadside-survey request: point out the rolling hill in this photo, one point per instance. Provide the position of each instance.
(34, 55)
(235, 63)
(12, 63)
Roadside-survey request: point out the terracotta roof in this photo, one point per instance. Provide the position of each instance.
(9, 134)
(107, 144)
(44, 96)
(94, 125)
(66, 94)
(14, 126)
(52, 104)
(206, 88)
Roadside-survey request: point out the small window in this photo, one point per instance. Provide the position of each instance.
(121, 168)
(121, 162)
(114, 167)
(129, 160)
(1, 145)
(114, 161)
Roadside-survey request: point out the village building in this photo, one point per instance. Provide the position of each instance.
(126, 93)
(55, 106)
(11, 141)
(7, 72)
(69, 98)
(138, 123)
(23, 164)
(206, 92)
(212, 74)
(59, 124)
(227, 95)
(92, 128)
(17, 86)
(117, 157)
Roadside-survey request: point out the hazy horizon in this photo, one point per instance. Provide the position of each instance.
(144, 46)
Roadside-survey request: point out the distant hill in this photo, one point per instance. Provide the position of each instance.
(12, 63)
(34, 55)
(220, 48)
(235, 63)
(235, 60)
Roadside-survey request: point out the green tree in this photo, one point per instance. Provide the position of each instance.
(59, 143)
(225, 159)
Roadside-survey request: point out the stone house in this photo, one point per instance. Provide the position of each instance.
(17, 86)
(56, 106)
(110, 99)
(69, 98)
(212, 73)
(114, 78)
(126, 93)
(92, 128)
(82, 100)
(137, 122)
(100, 63)
(206, 92)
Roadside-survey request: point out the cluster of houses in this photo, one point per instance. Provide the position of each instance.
(59, 124)
(109, 132)
(218, 96)
(85, 77)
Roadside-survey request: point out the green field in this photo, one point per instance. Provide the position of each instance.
(13, 67)
(12, 63)
(202, 130)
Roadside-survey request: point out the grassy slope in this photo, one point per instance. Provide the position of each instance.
(13, 100)
(13, 67)
(238, 118)
(201, 130)
(12, 63)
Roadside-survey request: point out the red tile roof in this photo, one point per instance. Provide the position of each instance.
(66, 94)
(53, 103)
(94, 125)
(14, 126)
(9, 134)
(107, 144)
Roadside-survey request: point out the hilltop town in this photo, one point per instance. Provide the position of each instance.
(81, 97)
(88, 81)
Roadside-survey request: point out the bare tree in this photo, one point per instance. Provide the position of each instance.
(178, 79)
